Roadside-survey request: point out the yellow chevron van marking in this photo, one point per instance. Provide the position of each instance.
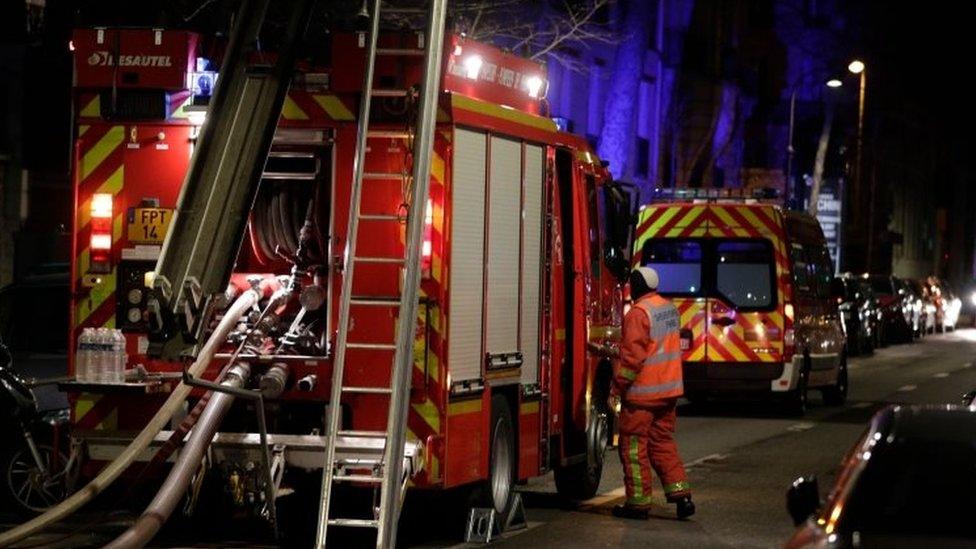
(662, 221)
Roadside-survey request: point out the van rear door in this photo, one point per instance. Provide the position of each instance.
(743, 322)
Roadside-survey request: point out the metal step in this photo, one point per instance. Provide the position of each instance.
(303, 176)
(367, 479)
(290, 154)
(368, 390)
(371, 346)
(354, 523)
(367, 259)
(362, 434)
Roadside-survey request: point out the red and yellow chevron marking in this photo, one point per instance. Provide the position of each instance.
(427, 415)
(692, 313)
(92, 412)
(99, 169)
(303, 106)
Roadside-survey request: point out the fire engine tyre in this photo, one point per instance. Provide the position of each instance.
(582, 480)
(498, 491)
(836, 394)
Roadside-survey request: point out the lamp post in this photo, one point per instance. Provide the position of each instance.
(857, 67)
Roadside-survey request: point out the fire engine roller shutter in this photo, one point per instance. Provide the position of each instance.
(467, 255)
(504, 201)
(531, 262)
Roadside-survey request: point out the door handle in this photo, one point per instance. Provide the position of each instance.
(722, 321)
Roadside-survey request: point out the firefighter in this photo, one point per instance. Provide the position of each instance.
(646, 388)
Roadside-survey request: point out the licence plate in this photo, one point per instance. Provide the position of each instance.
(149, 225)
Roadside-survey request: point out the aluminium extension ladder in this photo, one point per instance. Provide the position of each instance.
(388, 474)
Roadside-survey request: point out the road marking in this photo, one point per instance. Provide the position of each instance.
(907, 388)
(799, 427)
(706, 459)
(967, 365)
(862, 405)
(941, 375)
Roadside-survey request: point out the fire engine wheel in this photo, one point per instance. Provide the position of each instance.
(29, 489)
(499, 492)
(582, 480)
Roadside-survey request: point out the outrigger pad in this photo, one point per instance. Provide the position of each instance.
(484, 526)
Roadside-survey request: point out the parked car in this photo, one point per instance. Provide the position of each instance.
(945, 305)
(859, 314)
(896, 326)
(907, 482)
(914, 306)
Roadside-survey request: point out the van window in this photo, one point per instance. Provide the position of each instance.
(745, 272)
(678, 264)
(801, 274)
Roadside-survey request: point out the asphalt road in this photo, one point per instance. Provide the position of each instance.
(741, 458)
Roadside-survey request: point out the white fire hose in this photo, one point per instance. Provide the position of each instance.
(111, 472)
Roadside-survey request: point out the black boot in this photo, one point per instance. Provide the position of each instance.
(686, 507)
(631, 512)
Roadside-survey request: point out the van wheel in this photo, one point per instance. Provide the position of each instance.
(582, 480)
(836, 395)
(796, 400)
(498, 491)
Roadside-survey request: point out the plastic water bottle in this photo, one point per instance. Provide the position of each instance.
(103, 354)
(84, 357)
(118, 349)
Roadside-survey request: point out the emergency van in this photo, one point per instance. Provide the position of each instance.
(754, 285)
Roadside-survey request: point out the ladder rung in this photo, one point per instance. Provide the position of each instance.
(354, 523)
(387, 134)
(290, 154)
(357, 478)
(304, 176)
(359, 463)
(362, 434)
(384, 176)
(381, 301)
(368, 390)
(372, 346)
(390, 93)
(399, 51)
(364, 259)
(380, 217)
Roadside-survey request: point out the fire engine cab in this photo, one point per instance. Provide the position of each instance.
(525, 246)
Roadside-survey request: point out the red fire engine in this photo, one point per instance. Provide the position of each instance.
(524, 241)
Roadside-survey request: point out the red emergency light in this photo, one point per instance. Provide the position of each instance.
(100, 241)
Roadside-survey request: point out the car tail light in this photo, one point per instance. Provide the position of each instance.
(789, 336)
(100, 242)
(788, 311)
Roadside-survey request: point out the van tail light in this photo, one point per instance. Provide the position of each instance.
(100, 243)
(789, 335)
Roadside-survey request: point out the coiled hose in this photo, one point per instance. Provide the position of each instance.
(111, 472)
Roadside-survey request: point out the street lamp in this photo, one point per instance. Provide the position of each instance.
(834, 83)
(857, 67)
